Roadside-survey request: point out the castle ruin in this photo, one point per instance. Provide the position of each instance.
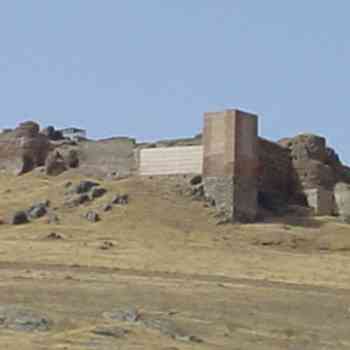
(241, 171)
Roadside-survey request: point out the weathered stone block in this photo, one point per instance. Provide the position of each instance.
(219, 189)
(342, 200)
(321, 200)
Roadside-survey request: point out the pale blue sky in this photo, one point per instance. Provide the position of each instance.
(151, 68)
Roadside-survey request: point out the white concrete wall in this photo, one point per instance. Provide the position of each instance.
(171, 160)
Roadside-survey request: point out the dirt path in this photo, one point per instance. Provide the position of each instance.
(112, 273)
(226, 313)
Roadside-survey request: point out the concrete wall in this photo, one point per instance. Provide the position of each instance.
(171, 160)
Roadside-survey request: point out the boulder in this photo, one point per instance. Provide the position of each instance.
(92, 216)
(19, 217)
(120, 199)
(76, 200)
(55, 164)
(54, 236)
(107, 207)
(85, 186)
(18, 319)
(124, 315)
(196, 180)
(97, 192)
(72, 159)
(106, 245)
(198, 192)
(38, 210)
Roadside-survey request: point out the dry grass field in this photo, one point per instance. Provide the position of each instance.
(281, 284)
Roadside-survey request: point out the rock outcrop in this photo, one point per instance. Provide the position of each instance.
(319, 174)
(316, 165)
(23, 149)
(55, 164)
(26, 147)
(19, 217)
(100, 158)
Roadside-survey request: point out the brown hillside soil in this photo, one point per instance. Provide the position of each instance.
(283, 284)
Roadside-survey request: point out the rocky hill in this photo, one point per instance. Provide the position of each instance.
(93, 256)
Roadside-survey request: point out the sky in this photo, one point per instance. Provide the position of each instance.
(150, 69)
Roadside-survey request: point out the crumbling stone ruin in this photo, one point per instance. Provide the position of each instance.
(242, 173)
(23, 149)
(231, 163)
(27, 147)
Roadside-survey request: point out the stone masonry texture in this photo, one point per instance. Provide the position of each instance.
(230, 157)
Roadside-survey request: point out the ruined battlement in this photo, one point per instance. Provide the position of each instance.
(241, 171)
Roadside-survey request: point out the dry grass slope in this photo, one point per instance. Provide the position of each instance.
(276, 285)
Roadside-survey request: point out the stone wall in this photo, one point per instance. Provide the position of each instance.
(275, 176)
(231, 163)
(220, 189)
(240, 171)
(105, 157)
